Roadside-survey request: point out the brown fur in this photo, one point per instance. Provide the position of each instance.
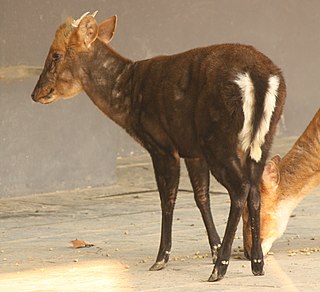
(187, 106)
(62, 36)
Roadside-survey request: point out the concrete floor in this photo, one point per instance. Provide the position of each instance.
(123, 223)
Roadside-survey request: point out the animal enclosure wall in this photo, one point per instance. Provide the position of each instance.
(71, 144)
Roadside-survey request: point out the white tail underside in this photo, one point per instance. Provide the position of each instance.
(248, 98)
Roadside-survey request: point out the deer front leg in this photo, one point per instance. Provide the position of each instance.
(167, 172)
(200, 179)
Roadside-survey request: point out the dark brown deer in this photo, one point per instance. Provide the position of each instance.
(217, 107)
(285, 182)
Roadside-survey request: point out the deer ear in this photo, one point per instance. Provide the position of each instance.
(271, 175)
(276, 159)
(88, 30)
(107, 29)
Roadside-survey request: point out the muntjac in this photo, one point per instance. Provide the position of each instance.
(285, 182)
(216, 107)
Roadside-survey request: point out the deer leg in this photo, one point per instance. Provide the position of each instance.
(246, 231)
(253, 202)
(230, 175)
(167, 172)
(199, 176)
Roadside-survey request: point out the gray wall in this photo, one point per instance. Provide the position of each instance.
(49, 148)
(70, 144)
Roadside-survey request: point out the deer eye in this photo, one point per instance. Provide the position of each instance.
(56, 57)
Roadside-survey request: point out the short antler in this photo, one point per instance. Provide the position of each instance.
(75, 23)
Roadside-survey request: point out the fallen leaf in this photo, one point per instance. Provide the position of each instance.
(78, 243)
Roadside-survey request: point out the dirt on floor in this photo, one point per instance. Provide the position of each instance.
(122, 222)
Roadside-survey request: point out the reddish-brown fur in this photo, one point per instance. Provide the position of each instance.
(188, 106)
(285, 182)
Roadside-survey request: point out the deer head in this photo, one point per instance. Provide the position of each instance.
(61, 76)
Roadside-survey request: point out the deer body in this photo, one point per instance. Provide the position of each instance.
(216, 107)
(285, 182)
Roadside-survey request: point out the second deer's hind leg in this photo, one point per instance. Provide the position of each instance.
(200, 179)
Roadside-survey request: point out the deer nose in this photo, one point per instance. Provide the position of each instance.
(33, 95)
(36, 94)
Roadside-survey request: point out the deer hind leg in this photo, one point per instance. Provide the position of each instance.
(230, 174)
(167, 172)
(200, 179)
(254, 204)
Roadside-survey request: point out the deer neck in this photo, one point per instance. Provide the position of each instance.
(300, 168)
(106, 78)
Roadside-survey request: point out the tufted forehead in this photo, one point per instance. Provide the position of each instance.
(65, 30)
(62, 35)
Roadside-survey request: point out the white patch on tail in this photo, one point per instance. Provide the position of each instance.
(247, 91)
(248, 98)
(269, 105)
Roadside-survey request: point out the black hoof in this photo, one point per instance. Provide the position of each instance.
(219, 271)
(257, 267)
(214, 277)
(157, 266)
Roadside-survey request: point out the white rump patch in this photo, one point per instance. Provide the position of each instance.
(247, 91)
(269, 105)
(248, 99)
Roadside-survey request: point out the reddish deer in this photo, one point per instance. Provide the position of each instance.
(217, 107)
(284, 184)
